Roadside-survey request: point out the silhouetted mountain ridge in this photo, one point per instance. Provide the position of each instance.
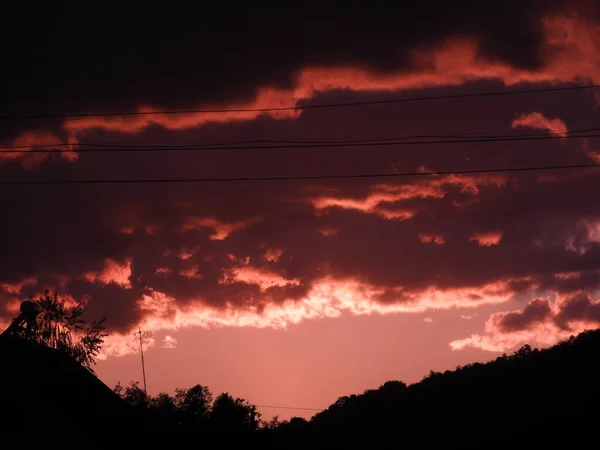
(531, 393)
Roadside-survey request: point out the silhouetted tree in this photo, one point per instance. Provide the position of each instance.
(133, 394)
(163, 404)
(295, 425)
(61, 327)
(272, 424)
(193, 405)
(236, 415)
(164, 412)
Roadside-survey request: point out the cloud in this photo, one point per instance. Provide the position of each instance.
(220, 230)
(266, 98)
(376, 254)
(163, 271)
(590, 151)
(386, 200)
(117, 344)
(327, 298)
(40, 140)
(306, 37)
(468, 316)
(537, 310)
(555, 46)
(263, 278)
(273, 254)
(431, 239)
(541, 322)
(579, 308)
(186, 253)
(539, 121)
(169, 342)
(360, 246)
(452, 62)
(190, 272)
(328, 231)
(15, 288)
(487, 239)
(113, 272)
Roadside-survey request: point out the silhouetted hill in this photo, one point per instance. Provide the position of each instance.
(533, 395)
(45, 391)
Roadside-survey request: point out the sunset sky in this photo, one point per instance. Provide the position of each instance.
(295, 292)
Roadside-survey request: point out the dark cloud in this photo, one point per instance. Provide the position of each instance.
(578, 308)
(68, 58)
(536, 311)
(74, 229)
(56, 231)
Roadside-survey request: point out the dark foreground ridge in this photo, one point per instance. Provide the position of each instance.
(45, 394)
(533, 396)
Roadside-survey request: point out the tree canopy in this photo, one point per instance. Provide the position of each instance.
(61, 327)
(191, 409)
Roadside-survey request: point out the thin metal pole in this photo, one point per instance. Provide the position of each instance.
(142, 354)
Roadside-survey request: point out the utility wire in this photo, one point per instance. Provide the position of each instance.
(300, 177)
(322, 145)
(304, 107)
(307, 142)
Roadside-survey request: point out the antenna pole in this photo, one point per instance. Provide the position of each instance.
(142, 354)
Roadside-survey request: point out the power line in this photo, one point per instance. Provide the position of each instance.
(290, 146)
(304, 107)
(307, 142)
(297, 178)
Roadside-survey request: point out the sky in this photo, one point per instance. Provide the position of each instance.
(294, 292)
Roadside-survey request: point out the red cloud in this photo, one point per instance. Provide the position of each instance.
(487, 239)
(222, 230)
(263, 278)
(163, 272)
(585, 237)
(327, 298)
(169, 342)
(592, 153)
(273, 254)
(113, 272)
(40, 140)
(328, 231)
(186, 253)
(539, 121)
(571, 49)
(151, 229)
(426, 238)
(541, 322)
(15, 288)
(191, 273)
(572, 45)
(360, 284)
(266, 97)
(385, 194)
